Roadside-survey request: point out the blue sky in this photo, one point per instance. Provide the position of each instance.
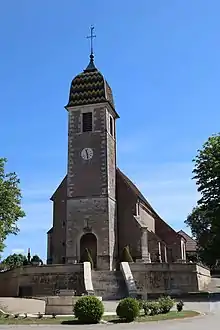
(161, 59)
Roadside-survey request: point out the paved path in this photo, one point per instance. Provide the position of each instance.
(203, 307)
(209, 321)
(197, 323)
(33, 306)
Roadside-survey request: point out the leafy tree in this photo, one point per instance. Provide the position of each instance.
(36, 259)
(14, 261)
(86, 256)
(10, 203)
(207, 172)
(126, 256)
(204, 220)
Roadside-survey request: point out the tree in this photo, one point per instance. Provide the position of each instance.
(126, 256)
(86, 256)
(36, 260)
(204, 220)
(10, 203)
(14, 261)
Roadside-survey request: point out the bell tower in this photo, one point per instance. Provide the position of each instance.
(91, 176)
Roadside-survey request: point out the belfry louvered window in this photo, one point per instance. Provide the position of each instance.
(87, 122)
(111, 126)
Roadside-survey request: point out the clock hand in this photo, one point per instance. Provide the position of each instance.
(87, 155)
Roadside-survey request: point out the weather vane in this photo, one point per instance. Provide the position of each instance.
(91, 37)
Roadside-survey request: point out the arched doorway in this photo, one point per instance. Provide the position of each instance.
(89, 241)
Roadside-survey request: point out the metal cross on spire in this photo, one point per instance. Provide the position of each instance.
(91, 37)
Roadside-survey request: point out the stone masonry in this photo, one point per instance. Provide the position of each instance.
(91, 186)
(97, 207)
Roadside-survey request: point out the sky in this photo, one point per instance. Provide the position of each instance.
(161, 59)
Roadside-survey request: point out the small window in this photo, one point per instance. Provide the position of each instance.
(63, 260)
(111, 126)
(87, 122)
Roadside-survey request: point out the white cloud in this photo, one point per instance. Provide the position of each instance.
(17, 251)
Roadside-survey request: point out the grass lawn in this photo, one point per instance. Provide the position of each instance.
(169, 316)
(112, 319)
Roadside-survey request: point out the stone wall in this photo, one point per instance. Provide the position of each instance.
(91, 185)
(41, 280)
(59, 229)
(203, 277)
(95, 212)
(147, 218)
(129, 232)
(153, 278)
(176, 278)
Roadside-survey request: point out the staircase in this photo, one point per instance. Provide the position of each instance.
(109, 285)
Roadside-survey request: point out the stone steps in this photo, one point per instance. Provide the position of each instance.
(109, 285)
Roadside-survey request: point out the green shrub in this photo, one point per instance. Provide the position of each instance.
(179, 306)
(126, 256)
(141, 303)
(39, 315)
(36, 259)
(89, 310)
(86, 256)
(128, 309)
(146, 307)
(151, 308)
(165, 304)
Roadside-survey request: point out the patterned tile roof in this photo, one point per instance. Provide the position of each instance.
(89, 87)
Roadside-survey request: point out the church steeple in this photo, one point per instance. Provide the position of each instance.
(90, 87)
(91, 177)
(91, 65)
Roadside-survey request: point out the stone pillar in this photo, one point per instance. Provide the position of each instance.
(49, 248)
(159, 252)
(165, 253)
(144, 246)
(183, 250)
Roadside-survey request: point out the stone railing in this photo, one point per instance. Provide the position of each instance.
(87, 273)
(129, 280)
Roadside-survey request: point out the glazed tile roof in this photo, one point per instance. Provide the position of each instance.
(90, 87)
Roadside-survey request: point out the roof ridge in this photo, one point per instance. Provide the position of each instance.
(185, 234)
(52, 197)
(141, 196)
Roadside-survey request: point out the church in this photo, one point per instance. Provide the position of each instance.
(96, 206)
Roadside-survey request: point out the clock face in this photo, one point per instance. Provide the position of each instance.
(87, 153)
